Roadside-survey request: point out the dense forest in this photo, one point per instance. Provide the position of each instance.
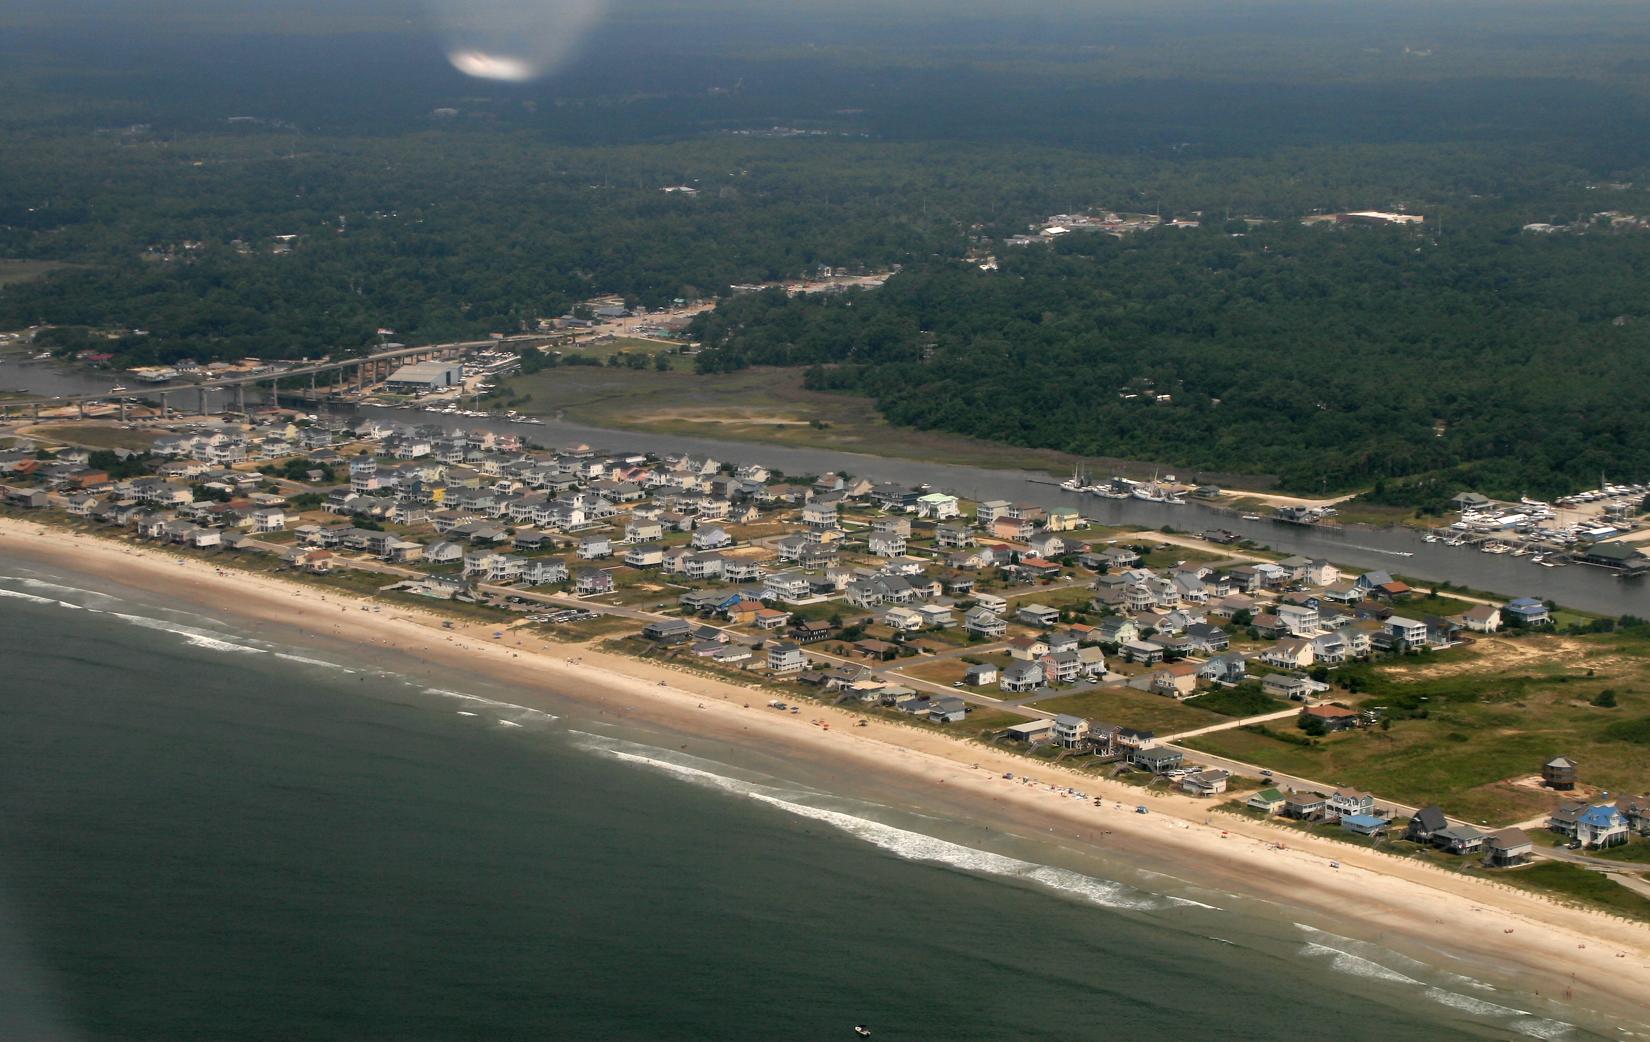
(1333, 357)
(206, 180)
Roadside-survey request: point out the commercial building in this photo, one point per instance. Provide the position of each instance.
(426, 376)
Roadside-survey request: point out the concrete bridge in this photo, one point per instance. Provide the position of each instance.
(368, 370)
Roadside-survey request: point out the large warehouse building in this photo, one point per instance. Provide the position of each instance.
(426, 376)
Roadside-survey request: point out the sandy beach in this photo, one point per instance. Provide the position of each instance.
(1572, 955)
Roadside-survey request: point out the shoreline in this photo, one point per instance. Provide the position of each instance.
(1571, 955)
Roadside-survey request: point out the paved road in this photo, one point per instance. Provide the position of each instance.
(1576, 857)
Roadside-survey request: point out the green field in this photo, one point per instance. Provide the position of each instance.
(15, 271)
(1246, 700)
(759, 404)
(1491, 715)
(606, 349)
(1127, 707)
(92, 436)
(1577, 885)
(1635, 851)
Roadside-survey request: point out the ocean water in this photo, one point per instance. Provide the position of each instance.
(212, 833)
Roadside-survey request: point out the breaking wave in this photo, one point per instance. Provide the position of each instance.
(1522, 1021)
(911, 846)
(37, 599)
(1355, 965)
(518, 712)
(191, 634)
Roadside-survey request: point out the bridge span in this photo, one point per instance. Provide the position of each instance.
(368, 369)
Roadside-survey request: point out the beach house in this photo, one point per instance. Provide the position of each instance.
(1206, 783)
(1508, 847)
(786, 656)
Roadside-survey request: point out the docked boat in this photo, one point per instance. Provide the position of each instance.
(1152, 492)
(1298, 515)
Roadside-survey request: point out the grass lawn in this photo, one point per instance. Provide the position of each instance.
(982, 720)
(1415, 607)
(1493, 713)
(1172, 555)
(629, 345)
(590, 629)
(1574, 883)
(1077, 595)
(1130, 708)
(1097, 534)
(1353, 512)
(936, 671)
(93, 436)
(1246, 700)
(12, 270)
(1635, 850)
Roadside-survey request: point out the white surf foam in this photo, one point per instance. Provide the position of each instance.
(193, 635)
(290, 657)
(1355, 965)
(1468, 1004)
(1522, 1021)
(42, 584)
(37, 599)
(914, 846)
(527, 712)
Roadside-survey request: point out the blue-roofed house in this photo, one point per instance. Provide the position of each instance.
(1527, 611)
(1365, 824)
(1601, 825)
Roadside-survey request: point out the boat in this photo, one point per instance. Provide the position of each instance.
(1251, 517)
(1152, 492)
(1297, 515)
(116, 389)
(862, 1031)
